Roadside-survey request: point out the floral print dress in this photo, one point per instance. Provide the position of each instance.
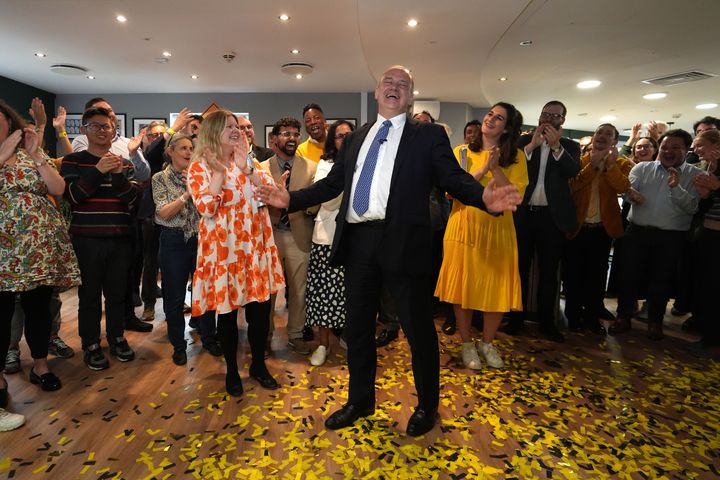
(35, 247)
(237, 260)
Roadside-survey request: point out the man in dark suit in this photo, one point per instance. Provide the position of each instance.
(384, 237)
(546, 214)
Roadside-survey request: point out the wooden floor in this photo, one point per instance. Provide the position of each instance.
(589, 408)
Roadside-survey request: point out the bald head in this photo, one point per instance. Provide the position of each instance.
(394, 91)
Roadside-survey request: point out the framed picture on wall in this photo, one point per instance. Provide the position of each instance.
(121, 124)
(73, 122)
(140, 123)
(268, 131)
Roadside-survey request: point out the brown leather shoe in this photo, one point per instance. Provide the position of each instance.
(621, 325)
(655, 331)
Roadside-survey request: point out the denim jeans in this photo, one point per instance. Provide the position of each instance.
(177, 262)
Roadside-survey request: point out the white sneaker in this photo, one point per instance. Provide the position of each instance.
(470, 356)
(319, 356)
(10, 421)
(492, 357)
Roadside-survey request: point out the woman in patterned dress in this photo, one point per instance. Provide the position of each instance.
(35, 249)
(325, 298)
(480, 260)
(237, 261)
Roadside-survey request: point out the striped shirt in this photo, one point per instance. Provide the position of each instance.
(102, 203)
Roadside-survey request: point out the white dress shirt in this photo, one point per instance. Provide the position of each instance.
(538, 197)
(380, 188)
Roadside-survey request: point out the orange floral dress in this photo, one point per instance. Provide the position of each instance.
(237, 260)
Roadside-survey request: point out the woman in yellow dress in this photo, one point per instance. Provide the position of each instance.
(480, 260)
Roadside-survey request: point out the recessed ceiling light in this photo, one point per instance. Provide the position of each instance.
(91, 77)
(589, 84)
(40, 55)
(608, 118)
(502, 79)
(167, 54)
(298, 76)
(655, 96)
(294, 51)
(284, 17)
(194, 77)
(416, 92)
(121, 18)
(526, 43)
(706, 106)
(412, 23)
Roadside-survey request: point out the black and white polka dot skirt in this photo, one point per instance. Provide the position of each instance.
(325, 295)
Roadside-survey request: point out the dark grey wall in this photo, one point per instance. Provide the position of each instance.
(19, 95)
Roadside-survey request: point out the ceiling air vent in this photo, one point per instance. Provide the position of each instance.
(297, 68)
(70, 70)
(679, 78)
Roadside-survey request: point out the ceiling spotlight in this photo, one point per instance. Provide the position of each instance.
(706, 106)
(412, 23)
(589, 84)
(121, 18)
(91, 77)
(167, 54)
(294, 51)
(284, 17)
(526, 43)
(40, 55)
(416, 92)
(194, 77)
(502, 79)
(608, 118)
(655, 96)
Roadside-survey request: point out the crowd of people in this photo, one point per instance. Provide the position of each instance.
(385, 222)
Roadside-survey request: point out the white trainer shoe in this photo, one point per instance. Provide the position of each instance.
(319, 356)
(492, 357)
(470, 356)
(10, 421)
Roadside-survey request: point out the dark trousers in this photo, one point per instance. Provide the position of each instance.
(585, 268)
(706, 302)
(36, 304)
(104, 269)
(177, 262)
(365, 278)
(537, 233)
(257, 316)
(650, 254)
(150, 249)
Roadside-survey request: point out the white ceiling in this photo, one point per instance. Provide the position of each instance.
(457, 53)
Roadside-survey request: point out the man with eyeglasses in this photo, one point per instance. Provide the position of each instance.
(127, 148)
(316, 127)
(102, 194)
(261, 153)
(546, 215)
(292, 231)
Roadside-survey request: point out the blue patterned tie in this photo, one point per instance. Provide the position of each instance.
(361, 200)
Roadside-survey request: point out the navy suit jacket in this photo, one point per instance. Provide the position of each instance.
(424, 159)
(557, 175)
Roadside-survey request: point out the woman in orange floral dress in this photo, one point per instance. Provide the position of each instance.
(237, 261)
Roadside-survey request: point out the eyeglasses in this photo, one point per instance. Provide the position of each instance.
(289, 134)
(153, 135)
(340, 136)
(554, 116)
(245, 127)
(96, 127)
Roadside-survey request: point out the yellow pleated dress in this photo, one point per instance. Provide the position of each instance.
(480, 260)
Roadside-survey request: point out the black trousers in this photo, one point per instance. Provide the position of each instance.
(36, 304)
(537, 233)
(104, 268)
(365, 278)
(651, 254)
(585, 268)
(150, 249)
(706, 302)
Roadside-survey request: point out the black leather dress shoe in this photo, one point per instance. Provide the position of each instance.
(136, 325)
(265, 379)
(179, 357)
(422, 421)
(596, 327)
(233, 386)
(385, 337)
(449, 326)
(347, 415)
(47, 381)
(3, 397)
(552, 334)
(213, 349)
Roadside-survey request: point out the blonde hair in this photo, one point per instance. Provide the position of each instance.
(210, 131)
(712, 136)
